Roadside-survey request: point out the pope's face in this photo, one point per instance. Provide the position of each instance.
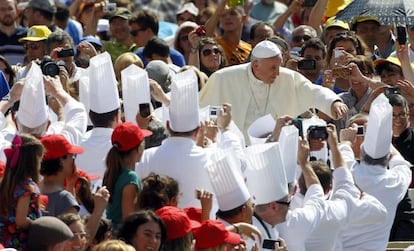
(267, 69)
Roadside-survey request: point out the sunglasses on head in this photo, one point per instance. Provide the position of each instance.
(31, 46)
(298, 39)
(208, 52)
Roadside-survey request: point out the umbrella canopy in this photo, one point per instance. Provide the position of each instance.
(388, 12)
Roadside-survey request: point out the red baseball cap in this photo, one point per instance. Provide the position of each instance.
(212, 233)
(128, 135)
(57, 146)
(176, 221)
(194, 213)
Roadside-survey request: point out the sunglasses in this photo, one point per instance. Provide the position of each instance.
(31, 46)
(134, 33)
(208, 52)
(298, 39)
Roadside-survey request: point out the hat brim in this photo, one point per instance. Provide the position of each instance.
(31, 39)
(146, 132)
(195, 224)
(232, 238)
(381, 61)
(75, 149)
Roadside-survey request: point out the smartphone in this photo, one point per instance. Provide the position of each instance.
(309, 3)
(197, 193)
(401, 35)
(307, 64)
(144, 110)
(338, 52)
(270, 244)
(341, 72)
(65, 53)
(361, 130)
(201, 30)
(297, 122)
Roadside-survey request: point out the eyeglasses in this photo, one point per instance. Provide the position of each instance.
(134, 33)
(286, 203)
(31, 46)
(346, 33)
(298, 39)
(81, 235)
(401, 115)
(208, 52)
(184, 38)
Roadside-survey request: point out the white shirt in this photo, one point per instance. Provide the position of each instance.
(300, 222)
(97, 144)
(274, 234)
(389, 187)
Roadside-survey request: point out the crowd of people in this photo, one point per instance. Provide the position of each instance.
(203, 125)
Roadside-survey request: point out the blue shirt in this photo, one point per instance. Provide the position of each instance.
(176, 57)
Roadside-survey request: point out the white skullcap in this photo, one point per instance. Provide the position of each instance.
(135, 90)
(227, 181)
(266, 178)
(265, 49)
(33, 109)
(378, 136)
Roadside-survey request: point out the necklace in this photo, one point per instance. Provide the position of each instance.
(258, 110)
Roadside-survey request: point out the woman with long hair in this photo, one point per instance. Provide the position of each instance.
(19, 192)
(120, 177)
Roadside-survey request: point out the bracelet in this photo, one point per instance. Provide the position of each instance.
(194, 50)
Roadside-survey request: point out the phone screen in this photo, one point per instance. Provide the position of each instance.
(144, 110)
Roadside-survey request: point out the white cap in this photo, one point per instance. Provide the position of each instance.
(190, 8)
(183, 109)
(288, 142)
(227, 181)
(260, 129)
(33, 109)
(103, 91)
(265, 49)
(378, 135)
(103, 25)
(135, 90)
(265, 174)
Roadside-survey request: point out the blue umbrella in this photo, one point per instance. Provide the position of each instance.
(388, 12)
(4, 85)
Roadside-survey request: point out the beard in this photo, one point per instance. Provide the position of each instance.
(7, 20)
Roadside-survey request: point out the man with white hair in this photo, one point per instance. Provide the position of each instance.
(262, 87)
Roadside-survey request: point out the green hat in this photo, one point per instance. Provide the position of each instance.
(121, 12)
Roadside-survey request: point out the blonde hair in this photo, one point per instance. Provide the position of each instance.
(124, 60)
(113, 245)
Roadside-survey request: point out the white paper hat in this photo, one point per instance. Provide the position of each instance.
(265, 49)
(266, 178)
(33, 109)
(260, 129)
(183, 109)
(378, 135)
(288, 146)
(227, 181)
(84, 91)
(135, 90)
(103, 91)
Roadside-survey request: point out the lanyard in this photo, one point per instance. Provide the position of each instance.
(263, 225)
